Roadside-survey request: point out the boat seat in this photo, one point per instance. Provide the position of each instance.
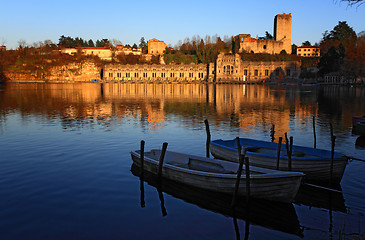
(199, 165)
(251, 148)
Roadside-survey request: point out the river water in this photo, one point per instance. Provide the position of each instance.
(66, 170)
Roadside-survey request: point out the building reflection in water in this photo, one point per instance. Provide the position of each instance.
(244, 106)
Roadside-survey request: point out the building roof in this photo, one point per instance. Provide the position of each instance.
(307, 47)
(94, 48)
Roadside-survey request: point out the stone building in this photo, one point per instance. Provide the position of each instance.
(155, 72)
(227, 68)
(104, 53)
(156, 47)
(308, 51)
(231, 67)
(281, 41)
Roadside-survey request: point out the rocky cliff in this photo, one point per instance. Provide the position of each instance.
(72, 72)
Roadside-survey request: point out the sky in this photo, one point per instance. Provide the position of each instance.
(168, 20)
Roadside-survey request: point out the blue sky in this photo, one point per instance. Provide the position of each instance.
(170, 21)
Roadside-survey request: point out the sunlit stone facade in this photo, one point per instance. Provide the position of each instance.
(227, 68)
(156, 72)
(281, 41)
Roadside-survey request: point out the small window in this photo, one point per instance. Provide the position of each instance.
(256, 73)
(266, 72)
(264, 46)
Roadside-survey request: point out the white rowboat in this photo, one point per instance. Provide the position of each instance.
(220, 176)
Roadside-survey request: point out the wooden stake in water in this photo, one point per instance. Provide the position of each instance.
(278, 153)
(290, 153)
(142, 158)
(248, 188)
(239, 172)
(333, 139)
(162, 156)
(314, 133)
(272, 134)
(208, 137)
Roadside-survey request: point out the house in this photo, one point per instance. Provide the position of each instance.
(156, 47)
(308, 51)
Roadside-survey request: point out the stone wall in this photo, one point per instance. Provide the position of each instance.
(281, 41)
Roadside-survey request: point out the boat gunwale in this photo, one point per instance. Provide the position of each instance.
(337, 156)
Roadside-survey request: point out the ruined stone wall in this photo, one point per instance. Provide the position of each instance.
(282, 38)
(252, 45)
(282, 30)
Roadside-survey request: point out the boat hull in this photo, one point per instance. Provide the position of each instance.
(281, 188)
(315, 168)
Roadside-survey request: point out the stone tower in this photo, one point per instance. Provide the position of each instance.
(282, 30)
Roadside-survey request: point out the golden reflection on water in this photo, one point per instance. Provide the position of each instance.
(245, 106)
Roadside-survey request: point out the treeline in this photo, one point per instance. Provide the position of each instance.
(69, 42)
(198, 50)
(342, 51)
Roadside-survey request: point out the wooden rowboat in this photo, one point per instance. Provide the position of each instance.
(220, 176)
(315, 163)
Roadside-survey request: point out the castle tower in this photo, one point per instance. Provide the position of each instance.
(282, 30)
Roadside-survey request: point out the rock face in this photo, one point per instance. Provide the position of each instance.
(83, 71)
(73, 72)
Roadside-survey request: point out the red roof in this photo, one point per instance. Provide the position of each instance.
(307, 47)
(91, 48)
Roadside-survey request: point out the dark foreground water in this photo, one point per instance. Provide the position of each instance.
(65, 166)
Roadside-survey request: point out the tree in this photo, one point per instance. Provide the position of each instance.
(353, 2)
(341, 32)
(90, 43)
(142, 43)
(306, 43)
(332, 60)
(268, 36)
(294, 49)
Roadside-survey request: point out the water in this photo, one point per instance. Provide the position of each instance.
(65, 166)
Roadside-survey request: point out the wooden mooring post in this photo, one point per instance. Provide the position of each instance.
(314, 133)
(208, 137)
(278, 153)
(272, 133)
(142, 158)
(289, 149)
(248, 181)
(160, 163)
(290, 153)
(239, 172)
(333, 140)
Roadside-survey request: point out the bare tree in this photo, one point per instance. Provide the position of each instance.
(353, 2)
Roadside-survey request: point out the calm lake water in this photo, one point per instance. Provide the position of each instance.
(65, 165)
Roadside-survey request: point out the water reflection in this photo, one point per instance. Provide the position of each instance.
(241, 106)
(272, 215)
(321, 198)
